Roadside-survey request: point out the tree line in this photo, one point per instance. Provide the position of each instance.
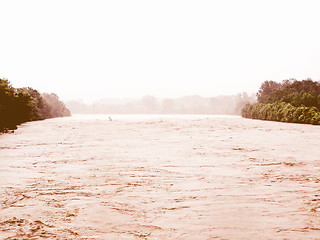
(19, 105)
(227, 105)
(289, 101)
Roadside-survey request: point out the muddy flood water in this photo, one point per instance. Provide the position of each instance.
(187, 177)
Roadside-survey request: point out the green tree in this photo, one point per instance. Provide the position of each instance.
(26, 104)
(289, 101)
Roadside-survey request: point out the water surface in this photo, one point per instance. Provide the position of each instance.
(160, 177)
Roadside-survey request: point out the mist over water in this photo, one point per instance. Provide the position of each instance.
(223, 105)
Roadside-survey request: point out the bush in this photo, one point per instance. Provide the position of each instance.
(282, 112)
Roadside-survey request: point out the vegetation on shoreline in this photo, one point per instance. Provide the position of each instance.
(290, 101)
(19, 105)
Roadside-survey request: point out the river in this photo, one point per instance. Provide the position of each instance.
(160, 177)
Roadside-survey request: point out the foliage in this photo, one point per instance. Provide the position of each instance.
(54, 107)
(290, 101)
(26, 104)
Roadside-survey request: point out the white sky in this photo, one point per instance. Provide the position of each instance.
(96, 49)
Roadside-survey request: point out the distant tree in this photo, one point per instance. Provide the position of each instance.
(150, 104)
(168, 106)
(77, 106)
(241, 100)
(54, 107)
(194, 104)
(267, 87)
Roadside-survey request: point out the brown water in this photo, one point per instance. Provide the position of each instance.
(160, 178)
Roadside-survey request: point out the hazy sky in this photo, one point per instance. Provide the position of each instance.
(94, 49)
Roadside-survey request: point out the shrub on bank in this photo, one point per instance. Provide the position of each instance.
(282, 112)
